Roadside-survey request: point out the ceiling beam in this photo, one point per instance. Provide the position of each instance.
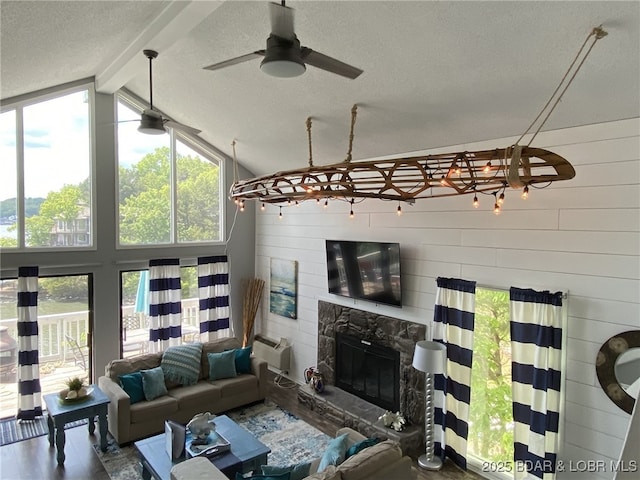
(172, 24)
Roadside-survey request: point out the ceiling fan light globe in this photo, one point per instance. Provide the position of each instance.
(282, 68)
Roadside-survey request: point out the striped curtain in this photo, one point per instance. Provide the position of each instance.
(453, 326)
(165, 307)
(29, 399)
(213, 291)
(536, 344)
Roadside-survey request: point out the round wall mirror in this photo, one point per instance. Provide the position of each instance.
(618, 368)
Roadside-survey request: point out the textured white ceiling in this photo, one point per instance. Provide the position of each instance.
(435, 73)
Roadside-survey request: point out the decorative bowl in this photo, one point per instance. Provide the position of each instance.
(82, 395)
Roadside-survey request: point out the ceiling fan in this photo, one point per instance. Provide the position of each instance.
(151, 121)
(284, 57)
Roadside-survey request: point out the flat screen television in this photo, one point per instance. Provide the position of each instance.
(365, 270)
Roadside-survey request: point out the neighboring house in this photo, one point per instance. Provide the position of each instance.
(74, 233)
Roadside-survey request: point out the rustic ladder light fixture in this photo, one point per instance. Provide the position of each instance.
(405, 179)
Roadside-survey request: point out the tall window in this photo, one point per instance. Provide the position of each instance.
(169, 187)
(490, 441)
(45, 173)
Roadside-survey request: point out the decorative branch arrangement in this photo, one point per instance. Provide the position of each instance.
(252, 298)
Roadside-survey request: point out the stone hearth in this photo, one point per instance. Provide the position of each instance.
(349, 410)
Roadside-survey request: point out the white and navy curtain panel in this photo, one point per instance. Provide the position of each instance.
(453, 326)
(165, 308)
(29, 391)
(536, 344)
(213, 291)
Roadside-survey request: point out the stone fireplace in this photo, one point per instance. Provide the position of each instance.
(390, 334)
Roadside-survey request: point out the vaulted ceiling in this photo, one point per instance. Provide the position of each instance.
(436, 73)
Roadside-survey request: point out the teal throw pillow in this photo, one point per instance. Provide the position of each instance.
(335, 452)
(222, 365)
(153, 383)
(181, 363)
(243, 360)
(358, 447)
(282, 476)
(131, 383)
(297, 472)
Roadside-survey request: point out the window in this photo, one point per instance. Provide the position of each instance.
(135, 309)
(490, 440)
(169, 186)
(46, 185)
(64, 328)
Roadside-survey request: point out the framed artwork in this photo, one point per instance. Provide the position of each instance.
(283, 290)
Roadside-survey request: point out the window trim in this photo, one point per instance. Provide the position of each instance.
(135, 103)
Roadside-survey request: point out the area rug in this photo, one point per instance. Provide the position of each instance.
(12, 431)
(290, 439)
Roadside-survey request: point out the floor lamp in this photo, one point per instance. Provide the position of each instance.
(429, 357)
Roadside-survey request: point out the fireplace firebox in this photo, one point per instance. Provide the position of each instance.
(368, 370)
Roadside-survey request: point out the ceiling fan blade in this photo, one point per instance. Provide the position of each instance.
(319, 60)
(234, 61)
(181, 127)
(281, 21)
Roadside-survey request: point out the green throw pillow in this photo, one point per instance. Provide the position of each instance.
(131, 383)
(358, 447)
(335, 452)
(282, 476)
(181, 363)
(243, 359)
(153, 383)
(222, 365)
(297, 472)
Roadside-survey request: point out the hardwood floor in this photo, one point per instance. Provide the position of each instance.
(34, 459)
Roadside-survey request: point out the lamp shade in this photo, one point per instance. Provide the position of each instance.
(429, 357)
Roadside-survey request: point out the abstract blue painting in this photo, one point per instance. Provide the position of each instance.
(283, 291)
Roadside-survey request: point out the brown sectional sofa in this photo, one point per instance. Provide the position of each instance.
(128, 422)
(383, 461)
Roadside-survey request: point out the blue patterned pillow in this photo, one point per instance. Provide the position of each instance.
(358, 447)
(335, 452)
(243, 359)
(182, 363)
(131, 383)
(153, 383)
(297, 472)
(222, 365)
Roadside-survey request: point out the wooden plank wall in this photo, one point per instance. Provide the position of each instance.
(581, 236)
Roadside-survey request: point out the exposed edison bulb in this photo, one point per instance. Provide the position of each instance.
(318, 201)
(235, 200)
(280, 215)
(297, 204)
(496, 209)
(399, 210)
(501, 199)
(443, 180)
(262, 207)
(289, 202)
(525, 192)
(309, 189)
(242, 206)
(326, 204)
(351, 214)
(476, 203)
(458, 170)
(487, 167)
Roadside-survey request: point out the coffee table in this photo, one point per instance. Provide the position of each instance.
(247, 452)
(60, 413)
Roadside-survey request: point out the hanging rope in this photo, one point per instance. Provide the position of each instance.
(354, 111)
(597, 33)
(236, 176)
(309, 135)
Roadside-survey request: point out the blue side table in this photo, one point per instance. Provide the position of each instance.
(60, 412)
